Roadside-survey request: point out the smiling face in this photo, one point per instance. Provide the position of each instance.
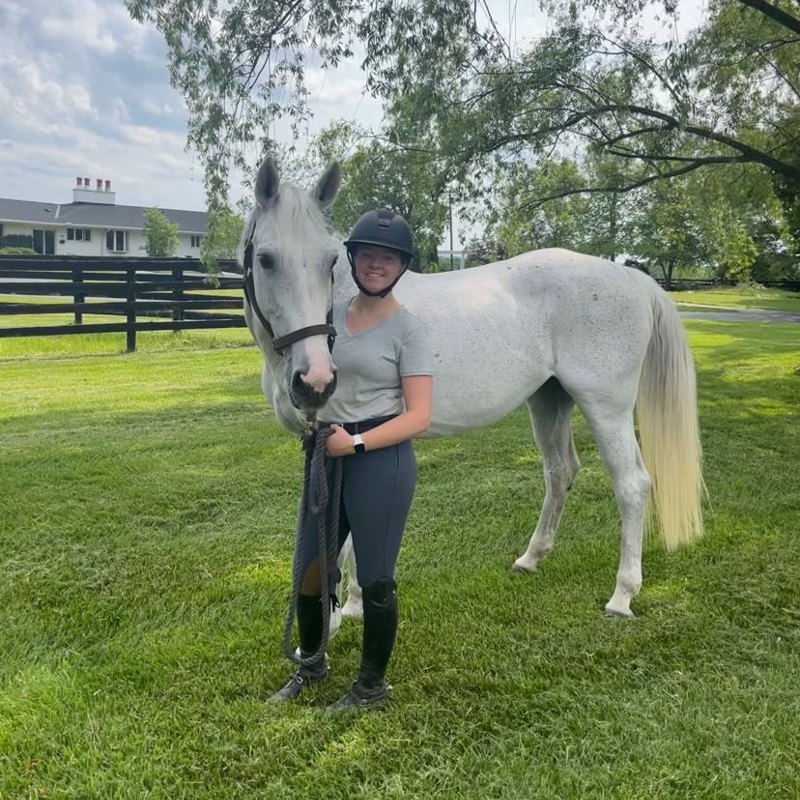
(377, 267)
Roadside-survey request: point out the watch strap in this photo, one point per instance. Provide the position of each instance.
(358, 444)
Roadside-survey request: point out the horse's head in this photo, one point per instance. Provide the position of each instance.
(288, 255)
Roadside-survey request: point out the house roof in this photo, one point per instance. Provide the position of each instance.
(95, 215)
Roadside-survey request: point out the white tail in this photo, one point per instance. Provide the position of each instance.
(668, 429)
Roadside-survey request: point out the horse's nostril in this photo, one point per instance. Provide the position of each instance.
(309, 396)
(318, 385)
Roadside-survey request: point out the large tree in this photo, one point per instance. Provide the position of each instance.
(728, 94)
(377, 174)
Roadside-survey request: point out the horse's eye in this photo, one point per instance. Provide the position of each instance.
(266, 260)
(333, 263)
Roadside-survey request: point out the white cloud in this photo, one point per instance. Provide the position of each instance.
(87, 31)
(158, 109)
(85, 91)
(138, 134)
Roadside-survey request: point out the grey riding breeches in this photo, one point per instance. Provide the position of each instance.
(377, 489)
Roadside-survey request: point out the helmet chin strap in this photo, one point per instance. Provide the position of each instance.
(366, 291)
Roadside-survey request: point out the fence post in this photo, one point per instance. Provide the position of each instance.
(130, 281)
(78, 296)
(177, 295)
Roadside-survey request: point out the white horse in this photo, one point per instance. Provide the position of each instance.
(550, 328)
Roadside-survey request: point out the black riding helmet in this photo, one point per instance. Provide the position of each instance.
(383, 228)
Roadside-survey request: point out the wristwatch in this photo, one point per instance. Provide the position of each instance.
(358, 444)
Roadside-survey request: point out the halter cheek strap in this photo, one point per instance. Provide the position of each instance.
(281, 342)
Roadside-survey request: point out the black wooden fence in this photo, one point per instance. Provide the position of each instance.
(689, 284)
(150, 294)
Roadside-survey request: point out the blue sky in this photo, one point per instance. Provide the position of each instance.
(84, 91)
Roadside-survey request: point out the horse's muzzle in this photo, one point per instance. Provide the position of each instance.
(305, 397)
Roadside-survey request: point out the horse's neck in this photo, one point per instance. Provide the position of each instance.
(343, 286)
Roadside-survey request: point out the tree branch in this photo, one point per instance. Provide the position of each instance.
(534, 204)
(774, 13)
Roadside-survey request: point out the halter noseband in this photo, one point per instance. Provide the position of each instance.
(281, 342)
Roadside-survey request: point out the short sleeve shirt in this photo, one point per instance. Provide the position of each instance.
(371, 364)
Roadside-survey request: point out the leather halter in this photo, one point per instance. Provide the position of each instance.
(280, 343)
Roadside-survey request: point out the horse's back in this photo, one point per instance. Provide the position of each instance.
(546, 279)
(499, 331)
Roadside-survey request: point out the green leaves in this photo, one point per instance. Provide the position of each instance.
(160, 234)
(468, 104)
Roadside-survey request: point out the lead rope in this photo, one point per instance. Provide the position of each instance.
(322, 489)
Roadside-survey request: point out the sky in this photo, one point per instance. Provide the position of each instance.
(84, 91)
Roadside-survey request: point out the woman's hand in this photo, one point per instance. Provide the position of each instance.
(339, 443)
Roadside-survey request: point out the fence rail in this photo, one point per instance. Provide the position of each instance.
(151, 294)
(682, 284)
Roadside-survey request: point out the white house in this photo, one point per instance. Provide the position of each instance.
(93, 224)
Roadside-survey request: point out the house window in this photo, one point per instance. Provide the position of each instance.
(44, 242)
(196, 240)
(117, 241)
(79, 234)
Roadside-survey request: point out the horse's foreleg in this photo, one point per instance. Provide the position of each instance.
(551, 416)
(353, 607)
(620, 452)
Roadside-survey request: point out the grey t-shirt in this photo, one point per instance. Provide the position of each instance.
(370, 365)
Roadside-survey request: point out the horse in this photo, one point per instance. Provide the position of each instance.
(553, 329)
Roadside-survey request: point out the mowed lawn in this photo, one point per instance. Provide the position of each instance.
(148, 505)
(738, 297)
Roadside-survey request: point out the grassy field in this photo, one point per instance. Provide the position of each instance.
(145, 543)
(739, 297)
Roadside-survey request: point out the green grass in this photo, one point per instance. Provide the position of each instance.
(739, 297)
(145, 542)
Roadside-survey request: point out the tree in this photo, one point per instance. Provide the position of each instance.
(725, 96)
(532, 225)
(625, 92)
(484, 250)
(378, 174)
(665, 233)
(222, 238)
(161, 235)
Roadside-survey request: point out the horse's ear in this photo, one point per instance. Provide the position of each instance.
(267, 183)
(328, 185)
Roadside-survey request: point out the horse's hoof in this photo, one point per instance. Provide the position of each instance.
(520, 565)
(622, 613)
(352, 610)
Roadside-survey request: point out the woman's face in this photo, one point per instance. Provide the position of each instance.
(377, 267)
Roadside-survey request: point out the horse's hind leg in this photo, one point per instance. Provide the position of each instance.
(614, 433)
(551, 416)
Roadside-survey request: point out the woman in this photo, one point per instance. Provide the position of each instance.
(383, 399)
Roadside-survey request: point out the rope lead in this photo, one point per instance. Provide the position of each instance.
(322, 490)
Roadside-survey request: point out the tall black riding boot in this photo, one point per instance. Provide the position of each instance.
(309, 623)
(380, 630)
